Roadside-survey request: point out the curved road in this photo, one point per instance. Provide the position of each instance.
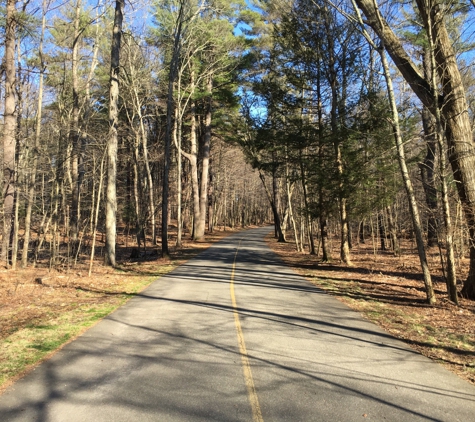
(234, 335)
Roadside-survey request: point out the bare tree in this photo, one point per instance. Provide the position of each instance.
(111, 195)
(34, 170)
(177, 34)
(74, 131)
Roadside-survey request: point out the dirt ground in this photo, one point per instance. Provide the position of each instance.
(389, 290)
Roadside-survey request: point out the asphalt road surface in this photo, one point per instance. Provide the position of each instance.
(234, 335)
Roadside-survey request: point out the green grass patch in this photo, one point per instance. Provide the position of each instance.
(29, 345)
(49, 345)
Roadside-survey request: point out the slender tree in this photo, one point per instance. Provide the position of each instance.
(177, 34)
(111, 195)
(74, 135)
(9, 129)
(451, 277)
(413, 207)
(38, 123)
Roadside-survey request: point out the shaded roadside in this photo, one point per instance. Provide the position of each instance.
(388, 291)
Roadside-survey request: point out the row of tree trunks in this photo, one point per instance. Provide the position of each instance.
(71, 197)
(453, 104)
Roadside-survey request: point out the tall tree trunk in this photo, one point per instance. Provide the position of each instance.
(95, 217)
(151, 199)
(179, 191)
(289, 201)
(166, 167)
(276, 204)
(205, 150)
(361, 232)
(326, 254)
(392, 230)
(74, 134)
(16, 227)
(275, 212)
(19, 119)
(449, 243)
(177, 139)
(428, 165)
(408, 185)
(427, 176)
(303, 178)
(138, 104)
(111, 191)
(382, 232)
(169, 129)
(194, 170)
(211, 202)
(337, 103)
(34, 169)
(9, 138)
(451, 278)
(192, 156)
(344, 232)
(139, 218)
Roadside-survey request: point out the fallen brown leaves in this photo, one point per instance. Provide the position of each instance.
(389, 291)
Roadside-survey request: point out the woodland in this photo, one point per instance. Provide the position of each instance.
(128, 127)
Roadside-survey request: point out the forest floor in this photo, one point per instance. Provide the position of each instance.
(389, 291)
(41, 310)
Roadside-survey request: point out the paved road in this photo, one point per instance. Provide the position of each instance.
(233, 335)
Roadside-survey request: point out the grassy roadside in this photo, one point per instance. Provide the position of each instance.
(388, 291)
(38, 330)
(41, 311)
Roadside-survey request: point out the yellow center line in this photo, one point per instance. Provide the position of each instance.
(251, 389)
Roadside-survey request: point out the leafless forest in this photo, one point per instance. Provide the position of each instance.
(128, 126)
